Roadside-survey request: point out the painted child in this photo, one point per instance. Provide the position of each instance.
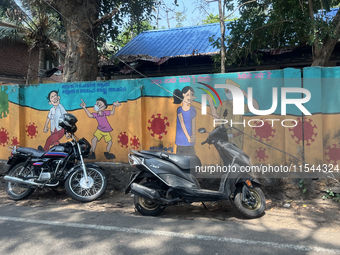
(53, 116)
(104, 128)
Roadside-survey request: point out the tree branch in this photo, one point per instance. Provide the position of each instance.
(238, 7)
(267, 25)
(311, 12)
(105, 17)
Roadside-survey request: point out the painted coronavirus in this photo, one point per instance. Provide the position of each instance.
(123, 139)
(265, 132)
(158, 125)
(332, 154)
(15, 141)
(31, 130)
(134, 142)
(308, 133)
(261, 154)
(3, 137)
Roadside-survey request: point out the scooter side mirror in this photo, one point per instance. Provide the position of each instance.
(202, 130)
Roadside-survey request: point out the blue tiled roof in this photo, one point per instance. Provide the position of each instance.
(174, 42)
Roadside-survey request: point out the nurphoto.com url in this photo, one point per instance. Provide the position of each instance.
(271, 171)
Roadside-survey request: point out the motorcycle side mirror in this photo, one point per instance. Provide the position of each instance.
(202, 130)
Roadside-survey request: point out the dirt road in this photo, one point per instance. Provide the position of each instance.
(311, 214)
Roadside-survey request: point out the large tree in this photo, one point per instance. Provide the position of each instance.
(265, 25)
(87, 22)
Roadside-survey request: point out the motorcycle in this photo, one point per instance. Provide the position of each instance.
(169, 179)
(30, 169)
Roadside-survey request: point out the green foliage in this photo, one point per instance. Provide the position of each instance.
(274, 24)
(302, 185)
(4, 4)
(332, 195)
(111, 48)
(211, 18)
(131, 15)
(180, 17)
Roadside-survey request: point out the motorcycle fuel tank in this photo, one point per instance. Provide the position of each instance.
(56, 152)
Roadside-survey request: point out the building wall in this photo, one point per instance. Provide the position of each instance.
(148, 119)
(15, 60)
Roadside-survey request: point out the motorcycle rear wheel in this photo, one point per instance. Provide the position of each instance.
(148, 207)
(14, 190)
(82, 191)
(251, 211)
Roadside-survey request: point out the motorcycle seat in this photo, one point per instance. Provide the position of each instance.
(33, 152)
(185, 162)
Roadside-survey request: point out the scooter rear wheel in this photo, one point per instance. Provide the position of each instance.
(251, 211)
(148, 207)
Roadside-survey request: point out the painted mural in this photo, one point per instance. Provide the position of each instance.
(164, 114)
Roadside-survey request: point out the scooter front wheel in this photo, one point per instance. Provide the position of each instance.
(148, 207)
(249, 209)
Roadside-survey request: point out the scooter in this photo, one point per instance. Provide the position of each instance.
(169, 179)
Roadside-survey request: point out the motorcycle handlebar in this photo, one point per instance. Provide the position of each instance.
(214, 131)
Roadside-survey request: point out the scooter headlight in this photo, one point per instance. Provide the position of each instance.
(134, 160)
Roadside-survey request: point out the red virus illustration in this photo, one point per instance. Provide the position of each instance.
(15, 141)
(158, 125)
(31, 130)
(266, 132)
(309, 131)
(261, 154)
(123, 139)
(3, 137)
(333, 153)
(134, 142)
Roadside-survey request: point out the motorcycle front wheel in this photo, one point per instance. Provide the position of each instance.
(83, 190)
(254, 209)
(17, 191)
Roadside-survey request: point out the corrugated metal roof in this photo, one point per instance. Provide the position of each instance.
(328, 15)
(183, 41)
(174, 42)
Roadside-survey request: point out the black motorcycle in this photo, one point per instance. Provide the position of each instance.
(169, 179)
(30, 168)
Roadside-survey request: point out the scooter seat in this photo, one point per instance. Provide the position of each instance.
(185, 162)
(34, 152)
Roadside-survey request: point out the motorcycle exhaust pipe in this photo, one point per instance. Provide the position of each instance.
(148, 193)
(144, 192)
(20, 181)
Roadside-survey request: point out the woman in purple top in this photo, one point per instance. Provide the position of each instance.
(186, 121)
(104, 128)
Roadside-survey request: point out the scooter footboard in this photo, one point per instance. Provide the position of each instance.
(198, 195)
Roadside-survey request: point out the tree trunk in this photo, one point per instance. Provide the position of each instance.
(41, 62)
(221, 13)
(28, 77)
(81, 62)
(321, 54)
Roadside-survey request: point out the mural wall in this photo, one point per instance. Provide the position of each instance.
(117, 116)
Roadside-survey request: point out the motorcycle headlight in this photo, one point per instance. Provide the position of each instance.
(134, 160)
